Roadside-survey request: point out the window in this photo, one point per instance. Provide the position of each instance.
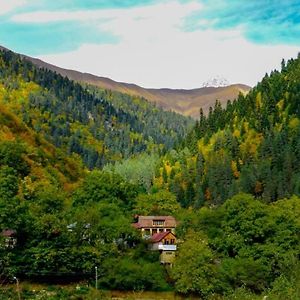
(172, 241)
(158, 222)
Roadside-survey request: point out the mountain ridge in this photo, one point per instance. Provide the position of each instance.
(184, 101)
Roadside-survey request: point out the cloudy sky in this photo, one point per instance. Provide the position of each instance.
(167, 43)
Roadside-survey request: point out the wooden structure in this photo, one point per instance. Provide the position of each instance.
(165, 243)
(150, 225)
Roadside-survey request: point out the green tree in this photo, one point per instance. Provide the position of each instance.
(101, 186)
(159, 203)
(194, 270)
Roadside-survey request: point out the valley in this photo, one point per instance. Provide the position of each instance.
(80, 161)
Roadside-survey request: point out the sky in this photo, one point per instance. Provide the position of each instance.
(167, 43)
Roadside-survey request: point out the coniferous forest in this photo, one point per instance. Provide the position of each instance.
(77, 163)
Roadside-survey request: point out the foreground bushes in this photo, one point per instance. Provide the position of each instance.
(242, 244)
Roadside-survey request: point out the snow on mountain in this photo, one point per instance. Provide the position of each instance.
(217, 81)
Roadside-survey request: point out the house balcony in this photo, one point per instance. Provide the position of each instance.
(167, 247)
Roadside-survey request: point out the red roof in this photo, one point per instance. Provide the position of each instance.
(8, 233)
(147, 222)
(157, 237)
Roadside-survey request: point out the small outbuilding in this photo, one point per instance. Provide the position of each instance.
(10, 238)
(165, 243)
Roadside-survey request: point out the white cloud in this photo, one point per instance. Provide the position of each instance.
(9, 5)
(154, 51)
(171, 9)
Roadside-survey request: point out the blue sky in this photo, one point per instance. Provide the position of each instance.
(170, 43)
(263, 21)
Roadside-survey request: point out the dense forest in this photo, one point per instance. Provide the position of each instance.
(78, 163)
(251, 146)
(100, 126)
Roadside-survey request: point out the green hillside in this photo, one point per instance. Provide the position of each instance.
(99, 126)
(66, 219)
(237, 176)
(251, 146)
(37, 161)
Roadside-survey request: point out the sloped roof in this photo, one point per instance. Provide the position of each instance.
(8, 233)
(147, 221)
(159, 236)
(136, 225)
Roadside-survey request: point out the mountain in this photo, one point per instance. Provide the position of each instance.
(99, 125)
(183, 101)
(217, 81)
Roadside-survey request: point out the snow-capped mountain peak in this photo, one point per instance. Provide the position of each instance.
(217, 81)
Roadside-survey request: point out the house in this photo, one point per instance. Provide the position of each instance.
(165, 243)
(10, 238)
(150, 225)
(160, 232)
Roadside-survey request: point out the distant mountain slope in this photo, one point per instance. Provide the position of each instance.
(186, 102)
(189, 102)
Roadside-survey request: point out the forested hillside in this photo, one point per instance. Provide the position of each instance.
(248, 243)
(66, 220)
(99, 126)
(36, 160)
(251, 146)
